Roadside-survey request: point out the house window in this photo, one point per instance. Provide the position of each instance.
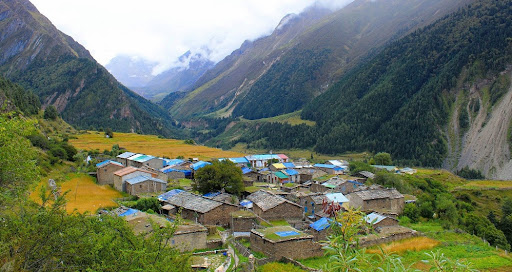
(140, 186)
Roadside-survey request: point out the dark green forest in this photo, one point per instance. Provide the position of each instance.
(400, 99)
(286, 87)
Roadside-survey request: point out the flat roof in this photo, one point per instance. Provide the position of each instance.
(281, 233)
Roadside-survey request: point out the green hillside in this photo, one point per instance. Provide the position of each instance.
(37, 56)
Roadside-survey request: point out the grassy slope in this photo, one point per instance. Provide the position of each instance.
(148, 144)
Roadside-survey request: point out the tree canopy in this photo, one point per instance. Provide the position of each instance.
(217, 176)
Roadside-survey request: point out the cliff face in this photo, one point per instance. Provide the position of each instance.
(36, 55)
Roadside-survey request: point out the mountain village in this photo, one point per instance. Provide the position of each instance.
(285, 211)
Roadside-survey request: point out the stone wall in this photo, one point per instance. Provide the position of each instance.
(105, 175)
(147, 186)
(189, 241)
(243, 224)
(220, 216)
(293, 249)
(286, 210)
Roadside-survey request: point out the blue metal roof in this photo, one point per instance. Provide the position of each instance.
(246, 203)
(144, 158)
(104, 163)
(246, 170)
(211, 194)
(355, 182)
(337, 197)
(129, 212)
(374, 218)
(291, 172)
(199, 165)
(321, 224)
(286, 233)
(262, 157)
(165, 196)
(239, 160)
(289, 164)
(139, 179)
(168, 162)
(321, 165)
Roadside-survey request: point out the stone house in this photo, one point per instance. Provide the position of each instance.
(243, 221)
(201, 209)
(383, 200)
(379, 220)
(331, 169)
(337, 184)
(285, 241)
(272, 207)
(293, 175)
(105, 171)
(144, 184)
(320, 229)
(187, 237)
(141, 160)
(126, 173)
(123, 158)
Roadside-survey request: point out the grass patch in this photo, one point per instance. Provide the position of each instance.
(414, 244)
(84, 194)
(279, 267)
(185, 182)
(149, 144)
(279, 222)
(486, 185)
(315, 262)
(289, 185)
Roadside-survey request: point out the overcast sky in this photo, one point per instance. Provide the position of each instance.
(162, 30)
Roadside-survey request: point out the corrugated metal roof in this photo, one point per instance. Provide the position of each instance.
(135, 156)
(262, 157)
(144, 158)
(168, 162)
(336, 197)
(321, 224)
(199, 165)
(139, 179)
(129, 170)
(282, 156)
(281, 175)
(291, 172)
(239, 160)
(278, 166)
(171, 193)
(107, 162)
(321, 165)
(289, 164)
(374, 218)
(125, 155)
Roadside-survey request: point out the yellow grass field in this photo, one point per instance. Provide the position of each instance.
(414, 244)
(84, 194)
(150, 145)
(488, 184)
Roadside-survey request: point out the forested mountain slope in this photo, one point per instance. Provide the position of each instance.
(441, 91)
(280, 73)
(34, 54)
(401, 100)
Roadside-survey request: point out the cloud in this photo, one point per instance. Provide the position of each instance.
(162, 30)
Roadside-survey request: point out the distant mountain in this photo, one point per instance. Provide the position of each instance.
(282, 72)
(133, 72)
(34, 54)
(137, 74)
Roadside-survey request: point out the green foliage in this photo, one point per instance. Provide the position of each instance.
(392, 180)
(482, 227)
(382, 158)
(109, 133)
(17, 158)
(279, 267)
(27, 102)
(145, 204)
(412, 212)
(51, 113)
(45, 238)
(468, 173)
(217, 176)
(285, 87)
(358, 166)
(190, 142)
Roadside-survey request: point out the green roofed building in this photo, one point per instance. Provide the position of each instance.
(285, 241)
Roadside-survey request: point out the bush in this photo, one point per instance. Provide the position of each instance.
(412, 212)
(50, 113)
(468, 173)
(148, 205)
